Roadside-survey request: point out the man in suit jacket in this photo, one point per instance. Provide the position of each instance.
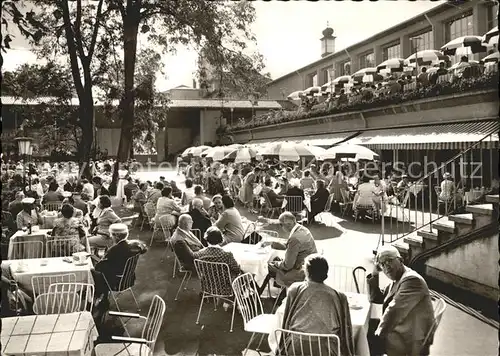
(300, 244)
(318, 200)
(201, 221)
(408, 314)
(184, 242)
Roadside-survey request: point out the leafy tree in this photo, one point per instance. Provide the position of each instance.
(220, 28)
(53, 118)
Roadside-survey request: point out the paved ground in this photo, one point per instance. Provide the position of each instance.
(343, 242)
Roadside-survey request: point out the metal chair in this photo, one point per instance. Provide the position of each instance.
(269, 236)
(126, 281)
(295, 205)
(400, 205)
(343, 278)
(63, 298)
(250, 306)
(215, 280)
(41, 284)
(166, 227)
(439, 306)
(143, 346)
(148, 213)
(250, 229)
(54, 206)
(62, 246)
(359, 276)
(187, 275)
(346, 203)
(22, 250)
(295, 343)
(272, 209)
(197, 233)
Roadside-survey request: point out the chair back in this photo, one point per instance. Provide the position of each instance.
(269, 235)
(345, 196)
(247, 297)
(294, 204)
(153, 322)
(54, 206)
(406, 198)
(295, 343)
(359, 276)
(63, 298)
(197, 233)
(41, 284)
(250, 228)
(6, 218)
(127, 277)
(342, 278)
(267, 200)
(22, 250)
(62, 246)
(150, 211)
(215, 278)
(439, 306)
(166, 226)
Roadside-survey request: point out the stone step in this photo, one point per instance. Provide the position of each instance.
(444, 225)
(493, 199)
(485, 209)
(414, 240)
(402, 247)
(428, 235)
(462, 218)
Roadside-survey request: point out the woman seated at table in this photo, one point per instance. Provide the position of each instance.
(30, 215)
(216, 209)
(52, 196)
(313, 307)
(68, 227)
(275, 199)
(167, 206)
(307, 182)
(77, 213)
(294, 189)
(176, 192)
(230, 222)
(140, 198)
(188, 193)
(364, 196)
(105, 219)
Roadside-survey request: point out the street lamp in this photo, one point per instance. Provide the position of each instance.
(25, 149)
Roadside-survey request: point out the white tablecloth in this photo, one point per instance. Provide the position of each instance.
(359, 319)
(55, 266)
(56, 334)
(19, 236)
(253, 258)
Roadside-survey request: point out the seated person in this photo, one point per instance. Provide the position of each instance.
(105, 218)
(230, 222)
(30, 215)
(67, 226)
(52, 196)
(275, 199)
(188, 193)
(113, 263)
(183, 233)
(201, 221)
(447, 188)
(77, 213)
(198, 193)
(216, 209)
(364, 196)
(140, 198)
(294, 190)
(214, 253)
(313, 307)
(318, 200)
(300, 244)
(130, 188)
(166, 206)
(407, 312)
(78, 201)
(16, 206)
(176, 192)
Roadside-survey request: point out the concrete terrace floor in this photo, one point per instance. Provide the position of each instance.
(344, 242)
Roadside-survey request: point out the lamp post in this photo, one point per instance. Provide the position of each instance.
(331, 73)
(415, 46)
(26, 150)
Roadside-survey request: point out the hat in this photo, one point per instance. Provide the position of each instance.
(447, 175)
(118, 228)
(404, 176)
(28, 200)
(388, 251)
(66, 194)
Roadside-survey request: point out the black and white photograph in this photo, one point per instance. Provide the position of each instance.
(249, 178)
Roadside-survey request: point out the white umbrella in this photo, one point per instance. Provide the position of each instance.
(471, 63)
(296, 95)
(464, 45)
(358, 76)
(291, 151)
(491, 37)
(349, 151)
(494, 57)
(241, 155)
(426, 57)
(219, 152)
(392, 65)
(344, 79)
(194, 151)
(312, 90)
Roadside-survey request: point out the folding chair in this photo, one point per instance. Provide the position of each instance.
(295, 343)
(295, 205)
(250, 307)
(215, 280)
(185, 279)
(22, 250)
(143, 346)
(52, 206)
(126, 281)
(41, 284)
(344, 278)
(269, 236)
(63, 246)
(63, 298)
(359, 276)
(346, 203)
(148, 213)
(439, 306)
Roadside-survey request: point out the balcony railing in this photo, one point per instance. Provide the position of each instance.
(470, 178)
(409, 92)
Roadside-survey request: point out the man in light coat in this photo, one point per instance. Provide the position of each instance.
(408, 314)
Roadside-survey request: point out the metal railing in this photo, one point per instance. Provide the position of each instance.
(422, 203)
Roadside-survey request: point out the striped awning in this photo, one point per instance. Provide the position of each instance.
(324, 140)
(459, 136)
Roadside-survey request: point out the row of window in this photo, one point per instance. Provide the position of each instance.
(458, 27)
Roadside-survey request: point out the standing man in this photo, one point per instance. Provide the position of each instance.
(407, 309)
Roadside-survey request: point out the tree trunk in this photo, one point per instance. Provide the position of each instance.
(165, 142)
(86, 113)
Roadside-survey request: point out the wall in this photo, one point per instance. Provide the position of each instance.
(108, 139)
(297, 80)
(209, 121)
(178, 139)
(184, 94)
(473, 266)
